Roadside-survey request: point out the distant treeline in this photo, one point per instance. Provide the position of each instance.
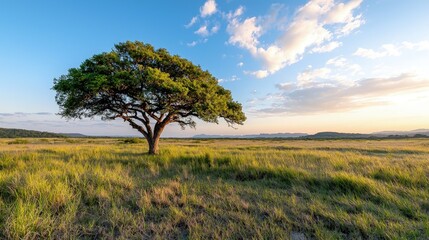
(21, 133)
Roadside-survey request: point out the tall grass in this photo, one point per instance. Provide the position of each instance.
(199, 189)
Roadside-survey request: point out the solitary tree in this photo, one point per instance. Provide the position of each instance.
(146, 87)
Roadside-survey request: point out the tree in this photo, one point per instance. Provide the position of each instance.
(146, 87)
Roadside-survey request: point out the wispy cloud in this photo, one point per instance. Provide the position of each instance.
(45, 121)
(233, 78)
(308, 76)
(332, 98)
(21, 114)
(196, 42)
(387, 50)
(192, 44)
(192, 22)
(203, 31)
(327, 47)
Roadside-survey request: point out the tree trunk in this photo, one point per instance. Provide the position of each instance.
(153, 139)
(153, 145)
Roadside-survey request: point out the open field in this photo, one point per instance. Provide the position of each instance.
(200, 189)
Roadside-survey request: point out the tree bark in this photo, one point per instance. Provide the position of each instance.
(153, 145)
(153, 137)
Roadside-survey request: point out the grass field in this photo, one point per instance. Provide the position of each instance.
(214, 189)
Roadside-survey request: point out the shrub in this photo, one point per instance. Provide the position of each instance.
(132, 140)
(19, 141)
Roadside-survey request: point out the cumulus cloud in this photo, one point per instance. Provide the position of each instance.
(313, 27)
(208, 27)
(332, 98)
(209, 8)
(245, 34)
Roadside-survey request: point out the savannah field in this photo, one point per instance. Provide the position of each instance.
(214, 189)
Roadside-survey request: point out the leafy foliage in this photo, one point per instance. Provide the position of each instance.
(140, 84)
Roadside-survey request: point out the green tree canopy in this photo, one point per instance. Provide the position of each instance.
(146, 87)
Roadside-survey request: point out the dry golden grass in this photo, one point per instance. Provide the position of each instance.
(199, 189)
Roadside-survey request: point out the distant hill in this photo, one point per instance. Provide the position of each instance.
(411, 133)
(21, 133)
(73, 135)
(327, 135)
(262, 135)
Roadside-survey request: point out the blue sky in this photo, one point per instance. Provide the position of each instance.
(296, 66)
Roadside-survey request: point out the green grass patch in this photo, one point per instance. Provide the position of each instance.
(214, 189)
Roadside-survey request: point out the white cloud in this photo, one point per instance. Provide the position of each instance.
(337, 71)
(192, 22)
(333, 98)
(233, 78)
(342, 12)
(308, 76)
(202, 31)
(238, 12)
(209, 8)
(337, 61)
(259, 74)
(245, 33)
(368, 53)
(307, 30)
(327, 47)
(205, 31)
(388, 50)
(419, 46)
(286, 86)
(215, 29)
(195, 43)
(350, 26)
(192, 44)
(240, 64)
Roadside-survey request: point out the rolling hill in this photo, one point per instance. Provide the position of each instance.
(21, 133)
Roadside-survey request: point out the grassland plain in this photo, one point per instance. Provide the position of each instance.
(214, 189)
